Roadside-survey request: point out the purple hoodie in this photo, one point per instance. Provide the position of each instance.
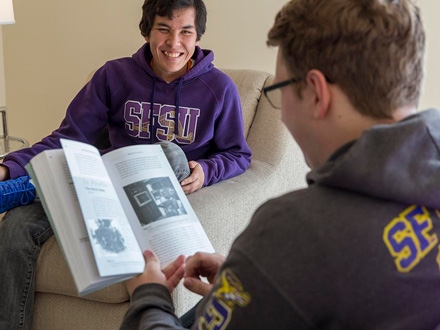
(209, 122)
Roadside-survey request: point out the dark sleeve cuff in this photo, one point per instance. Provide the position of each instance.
(151, 308)
(153, 294)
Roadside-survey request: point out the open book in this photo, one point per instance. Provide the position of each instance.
(105, 210)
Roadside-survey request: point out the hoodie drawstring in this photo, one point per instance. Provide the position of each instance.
(150, 114)
(176, 117)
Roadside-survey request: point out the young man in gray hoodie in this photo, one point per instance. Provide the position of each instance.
(359, 247)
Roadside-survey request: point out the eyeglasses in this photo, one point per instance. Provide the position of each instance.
(273, 92)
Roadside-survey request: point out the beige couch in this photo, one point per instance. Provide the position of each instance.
(224, 209)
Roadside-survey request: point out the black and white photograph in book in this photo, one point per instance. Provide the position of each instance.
(154, 199)
(108, 237)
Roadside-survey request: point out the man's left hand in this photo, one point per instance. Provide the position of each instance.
(170, 276)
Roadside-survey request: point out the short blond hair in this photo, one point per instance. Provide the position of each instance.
(372, 49)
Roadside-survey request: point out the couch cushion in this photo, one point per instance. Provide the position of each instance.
(53, 276)
(250, 86)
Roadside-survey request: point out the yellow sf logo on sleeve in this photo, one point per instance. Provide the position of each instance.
(409, 238)
(225, 298)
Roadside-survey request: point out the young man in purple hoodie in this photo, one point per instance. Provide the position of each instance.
(168, 91)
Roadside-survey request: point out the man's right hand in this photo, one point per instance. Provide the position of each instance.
(4, 173)
(202, 265)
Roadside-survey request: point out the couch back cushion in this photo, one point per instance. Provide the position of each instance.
(250, 85)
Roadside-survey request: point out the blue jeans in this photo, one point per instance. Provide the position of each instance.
(23, 231)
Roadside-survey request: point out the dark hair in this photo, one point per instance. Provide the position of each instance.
(372, 49)
(166, 8)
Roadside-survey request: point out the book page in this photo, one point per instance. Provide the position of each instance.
(114, 244)
(155, 203)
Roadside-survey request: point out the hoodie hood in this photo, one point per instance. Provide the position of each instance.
(202, 58)
(398, 162)
(202, 64)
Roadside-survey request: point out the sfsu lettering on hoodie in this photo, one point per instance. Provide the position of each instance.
(139, 121)
(409, 237)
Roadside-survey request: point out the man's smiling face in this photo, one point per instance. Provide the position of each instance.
(172, 43)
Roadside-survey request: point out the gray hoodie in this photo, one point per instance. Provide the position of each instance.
(357, 249)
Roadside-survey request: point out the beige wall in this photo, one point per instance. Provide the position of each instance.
(54, 44)
(2, 73)
(431, 96)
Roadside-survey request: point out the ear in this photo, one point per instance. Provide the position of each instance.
(147, 39)
(322, 95)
